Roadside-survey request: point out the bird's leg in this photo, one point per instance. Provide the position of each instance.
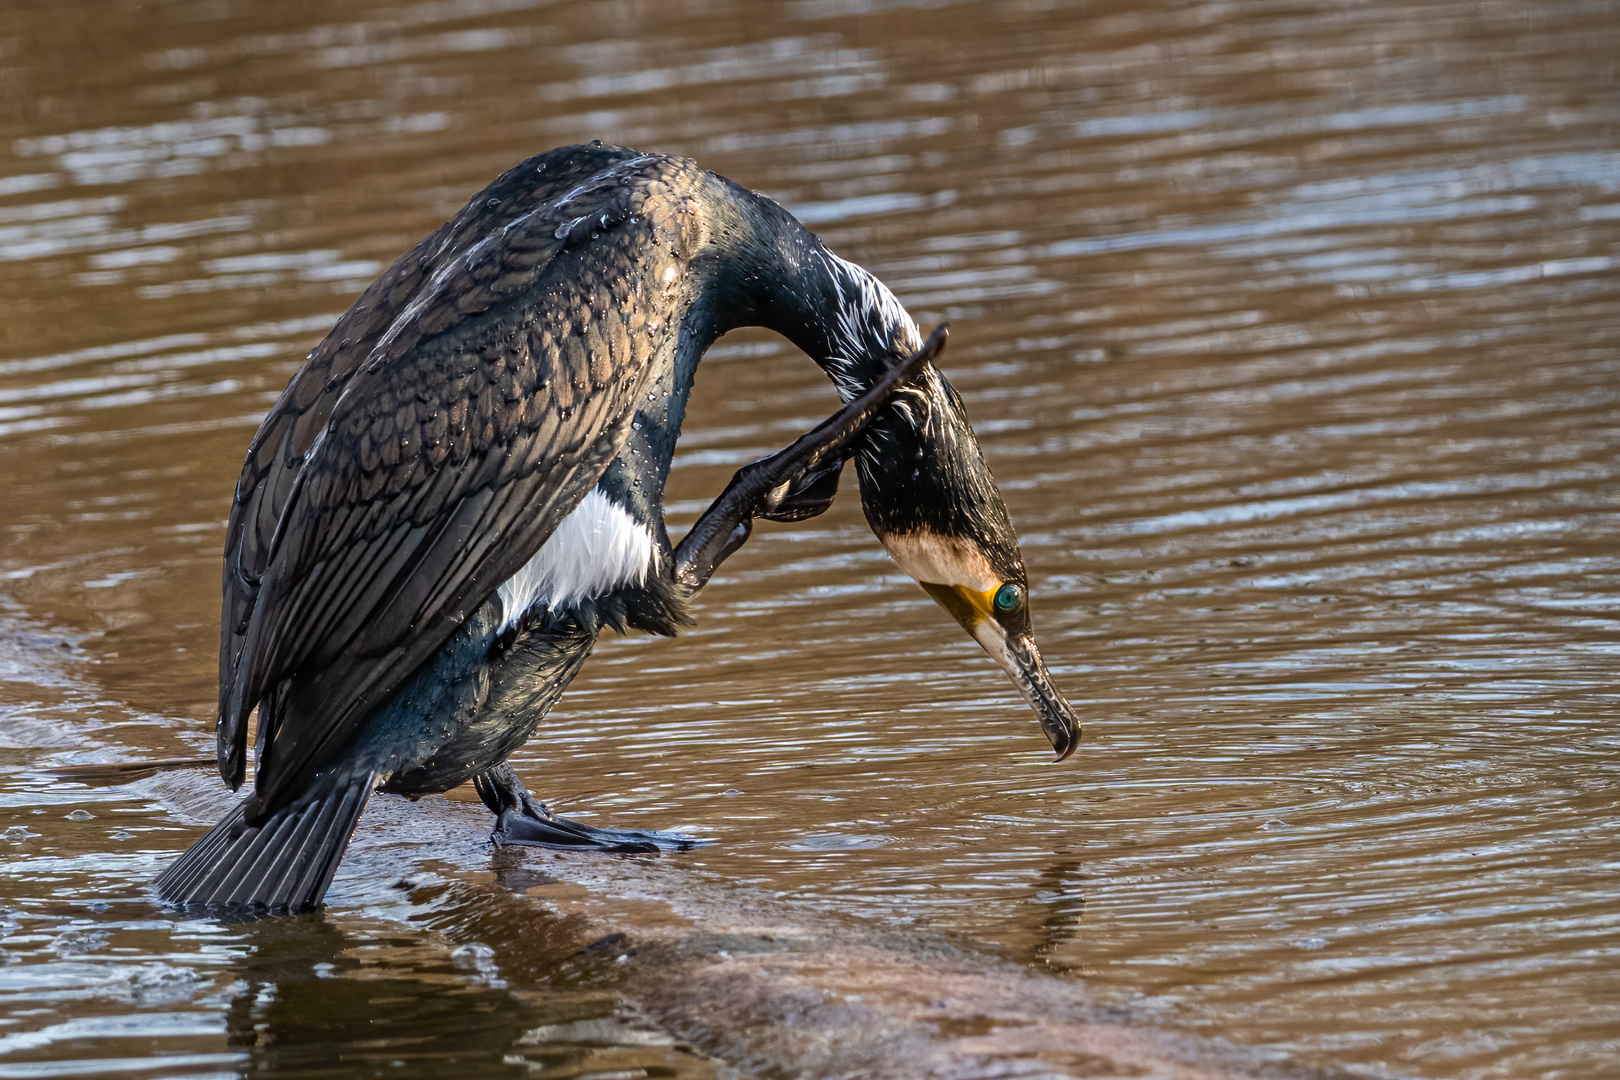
(796, 483)
(793, 481)
(522, 819)
(811, 494)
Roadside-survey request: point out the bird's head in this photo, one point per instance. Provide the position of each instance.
(926, 490)
(931, 500)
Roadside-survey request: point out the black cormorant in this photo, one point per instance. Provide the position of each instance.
(464, 484)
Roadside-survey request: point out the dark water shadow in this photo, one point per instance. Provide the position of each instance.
(311, 1000)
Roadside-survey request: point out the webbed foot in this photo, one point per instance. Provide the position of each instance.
(792, 484)
(551, 831)
(522, 819)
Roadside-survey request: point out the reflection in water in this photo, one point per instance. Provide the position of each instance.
(1054, 912)
(310, 1000)
(1288, 331)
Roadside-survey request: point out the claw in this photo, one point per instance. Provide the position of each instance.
(808, 496)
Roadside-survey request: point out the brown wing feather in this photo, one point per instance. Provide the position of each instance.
(473, 395)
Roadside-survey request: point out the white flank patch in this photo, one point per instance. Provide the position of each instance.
(596, 549)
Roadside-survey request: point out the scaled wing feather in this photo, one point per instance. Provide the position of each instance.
(452, 418)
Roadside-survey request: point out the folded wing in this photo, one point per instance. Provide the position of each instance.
(434, 440)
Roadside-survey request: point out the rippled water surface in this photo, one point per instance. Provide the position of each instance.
(1289, 329)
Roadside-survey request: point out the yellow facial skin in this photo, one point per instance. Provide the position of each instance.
(967, 605)
(962, 581)
(958, 576)
(975, 609)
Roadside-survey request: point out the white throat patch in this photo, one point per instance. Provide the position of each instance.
(597, 548)
(941, 560)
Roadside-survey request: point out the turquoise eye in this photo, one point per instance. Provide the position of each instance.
(1008, 597)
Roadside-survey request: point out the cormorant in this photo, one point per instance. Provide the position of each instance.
(463, 485)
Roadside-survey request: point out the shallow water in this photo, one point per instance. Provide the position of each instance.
(1290, 331)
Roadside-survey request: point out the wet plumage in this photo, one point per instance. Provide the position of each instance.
(463, 485)
(452, 418)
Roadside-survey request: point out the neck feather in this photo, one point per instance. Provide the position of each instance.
(868, 328)
(771, 271)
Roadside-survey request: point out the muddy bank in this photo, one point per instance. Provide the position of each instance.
(776, 992)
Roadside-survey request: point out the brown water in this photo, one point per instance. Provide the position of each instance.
(1290, 330)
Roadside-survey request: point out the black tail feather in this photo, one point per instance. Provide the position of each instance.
(282, 865)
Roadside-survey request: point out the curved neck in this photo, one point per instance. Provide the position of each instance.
(766, 269)
(920, 466)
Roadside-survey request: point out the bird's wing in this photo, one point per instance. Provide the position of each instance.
(448, 423)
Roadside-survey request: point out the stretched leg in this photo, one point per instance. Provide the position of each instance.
(790, 484)
(520, 818)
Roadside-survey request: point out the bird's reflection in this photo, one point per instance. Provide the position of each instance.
(1052, 913)
(514, 872)
(312, 1000)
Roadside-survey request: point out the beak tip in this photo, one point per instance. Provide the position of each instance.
(1069, 742)
(1020, 658)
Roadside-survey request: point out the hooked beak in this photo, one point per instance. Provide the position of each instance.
(1021, 660)
(1015, 651)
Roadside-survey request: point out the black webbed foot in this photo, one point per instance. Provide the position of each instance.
(522, 819)
(791, 484)
(560, 833)
(808, 496)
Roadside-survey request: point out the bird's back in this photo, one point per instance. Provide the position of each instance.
(434, 439)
